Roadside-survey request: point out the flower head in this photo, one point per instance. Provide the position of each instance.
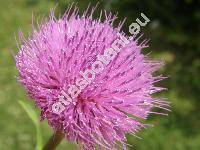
(56, 56)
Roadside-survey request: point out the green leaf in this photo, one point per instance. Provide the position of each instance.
(33, 116)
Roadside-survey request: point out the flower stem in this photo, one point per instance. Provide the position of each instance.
(54, 141)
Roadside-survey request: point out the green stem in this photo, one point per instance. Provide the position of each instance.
(54, 141)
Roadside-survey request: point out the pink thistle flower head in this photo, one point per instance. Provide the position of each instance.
(71, 60)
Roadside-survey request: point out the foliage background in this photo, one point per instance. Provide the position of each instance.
(174, 32)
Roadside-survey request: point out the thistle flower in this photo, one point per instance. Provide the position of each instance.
(107, 108)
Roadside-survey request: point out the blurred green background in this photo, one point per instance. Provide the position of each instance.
(174, 31)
